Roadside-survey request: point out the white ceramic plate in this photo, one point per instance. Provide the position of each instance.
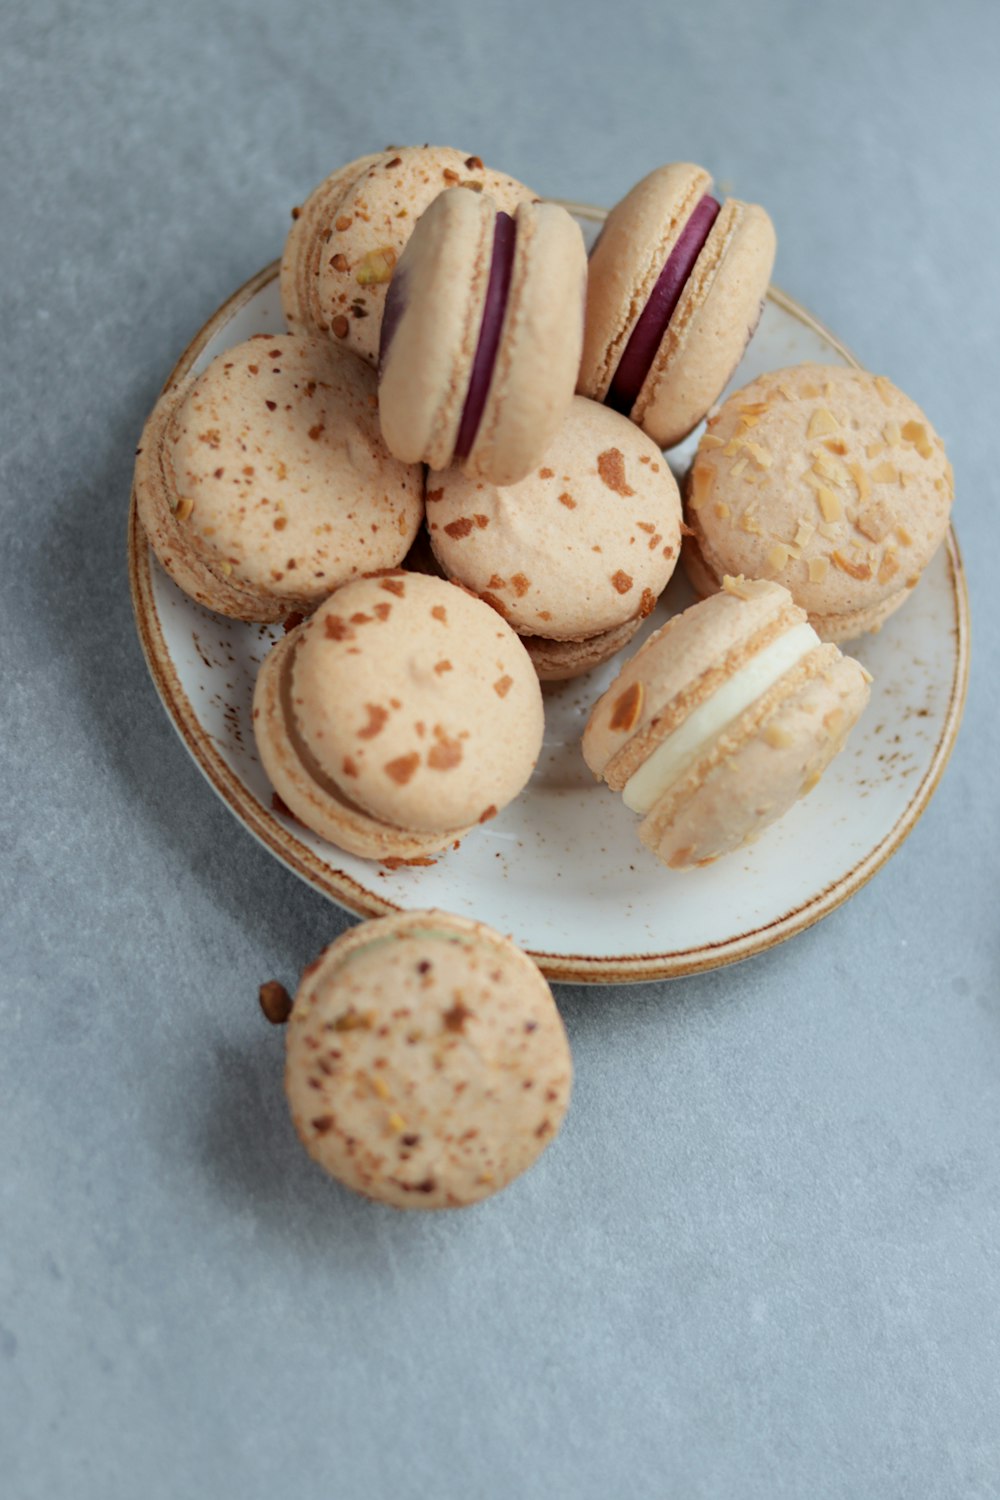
(562, 870)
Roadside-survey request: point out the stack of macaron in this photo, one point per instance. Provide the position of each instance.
(448, 478)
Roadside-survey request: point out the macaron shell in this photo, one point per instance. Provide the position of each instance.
(676, 669)
(584, 543)
(633, 247)
(309, 794)
(417, 701)
(558, 661)
(427, 1065)
(540, 344)
(827, 479)
(300, 261)
(425, 370)
(272, 471)
(156, 501)
(712, 324)
(761, 765)
(374, 221)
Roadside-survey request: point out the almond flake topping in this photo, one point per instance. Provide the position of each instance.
(884, 473)
(861, 480)
(859, 570)
(709, 440)
(805, 532)
(777, 556)
(777, 737)
(818, 569)
(821, 422)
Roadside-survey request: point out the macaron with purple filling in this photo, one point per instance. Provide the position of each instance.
(722, 720)
(482, 335)
(675, 290)
(347, 237)
(576, 554)
(426, 1063)
(398, 717)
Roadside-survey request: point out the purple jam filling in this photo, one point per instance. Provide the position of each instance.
(497, 290)
(395, 306)
(647, 335)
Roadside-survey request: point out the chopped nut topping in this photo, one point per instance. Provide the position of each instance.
(627, 708)
(760, 455)
(376, 267)
(861, 571)
(275, 1002)
(777, 737)
(396, 1123)
(861, 480)
(738, 468)
(904, 536)
(884, 473)
(885, 389)
(829, 503)
(777, 556)
(821, 422)
(744, 588)
(185, 506)
(874, 449)
(721, 510)
(875, 521)
(892, 434)
(888, 567)
(828, 529)
(818, 569)
(749, 523)
(805, 533)
(379, 1086)
(709, 440)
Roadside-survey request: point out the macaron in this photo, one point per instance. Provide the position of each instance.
(346, 238)
(722, 720)
(577, 553)
(399, 716)
(482, 334)
(427, 1065)
(829, 481)
(263, 482)
(426, 1061)
(675, 290)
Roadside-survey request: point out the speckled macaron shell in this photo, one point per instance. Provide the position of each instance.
(717, 312)
(307, 239)
(407, 698)
(362, 234)
(584, 544)
(427, 1065)
(424, 373)
(763, 760)
(427, 367)
(263, 482)
(828, 480)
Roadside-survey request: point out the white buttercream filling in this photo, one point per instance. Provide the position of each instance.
(674, 755)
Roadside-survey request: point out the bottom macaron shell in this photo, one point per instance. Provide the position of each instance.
(427, 1065)
(836, 628)
(558, 661)
(312, 797)
(753, 773)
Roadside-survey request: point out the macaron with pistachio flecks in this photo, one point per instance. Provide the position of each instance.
(827, 480)
(263, 482)
(575, 555)
(347, 237)
(427, 1065)
(397, 718)
(722, 720)
(675, 290)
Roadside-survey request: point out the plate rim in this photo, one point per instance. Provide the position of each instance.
(566, 968)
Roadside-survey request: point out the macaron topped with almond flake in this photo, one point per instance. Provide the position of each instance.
(481, 336)
(345, 240)
(402, 714)
(722, 720)
(826, 479)
(575, 555)
(263, 482)
(675, 290)
(427, 1065)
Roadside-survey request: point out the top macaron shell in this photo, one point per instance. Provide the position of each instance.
(263, 481)
(828, 480)
(426, 364)
(417, 701)
(367, 227)
(717, 312)
(686, 659)
(587, 541)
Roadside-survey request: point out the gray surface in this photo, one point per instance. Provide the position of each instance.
(763, 1259)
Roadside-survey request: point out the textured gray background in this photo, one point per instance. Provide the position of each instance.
(762, 1260)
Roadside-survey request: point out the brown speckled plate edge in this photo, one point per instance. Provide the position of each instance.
(625, 968)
